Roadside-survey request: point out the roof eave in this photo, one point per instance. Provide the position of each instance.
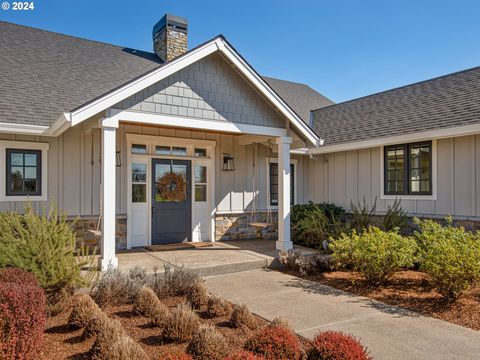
(398, 139)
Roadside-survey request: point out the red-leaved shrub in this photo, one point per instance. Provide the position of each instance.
(176, 356)
(275, 344)
(335, 345)
(22, 320)
(17, 276)
(243, 355)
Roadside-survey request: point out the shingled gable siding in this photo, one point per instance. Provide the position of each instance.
(208, 89)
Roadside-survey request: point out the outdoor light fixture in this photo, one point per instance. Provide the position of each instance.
(118, 159)
(228, 162)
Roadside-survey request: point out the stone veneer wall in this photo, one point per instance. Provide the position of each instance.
(237, 226)
(85, 237)
(169, 44)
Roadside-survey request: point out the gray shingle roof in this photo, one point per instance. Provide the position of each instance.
(44, 74)
(300, 97)
(444, 102)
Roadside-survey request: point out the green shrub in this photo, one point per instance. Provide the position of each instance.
(314, 224)
(395, 217)
(450, 255)
(362, 214)
(44, 245)
(375, 253)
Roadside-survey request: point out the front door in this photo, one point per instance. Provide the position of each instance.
(171, 201)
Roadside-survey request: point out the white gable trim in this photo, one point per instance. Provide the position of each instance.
(218, 44)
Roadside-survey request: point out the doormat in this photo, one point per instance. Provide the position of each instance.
(179, 246)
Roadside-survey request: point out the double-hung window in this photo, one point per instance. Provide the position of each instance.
(408, 169)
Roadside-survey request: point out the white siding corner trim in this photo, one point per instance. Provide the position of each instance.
(410, 197)
(9, 144)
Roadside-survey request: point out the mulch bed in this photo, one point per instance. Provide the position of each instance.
(63, 342)
(410, 290)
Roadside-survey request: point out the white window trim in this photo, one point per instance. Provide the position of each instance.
(409, 197)
(293, 162)
(9, 144)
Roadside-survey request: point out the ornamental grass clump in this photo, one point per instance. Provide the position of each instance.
(100, 323)
(375, 253)
(84, 309)
(117, 287)
(112, 343)
(335, 345)
(208, 344)
(177, 280)
(181, 324)
(145, 301)
(22, 318)
(159, 315)
(281, 322)
(217, 307)
(275, 344)
(242, 318)
(450, 255)
(197, 295)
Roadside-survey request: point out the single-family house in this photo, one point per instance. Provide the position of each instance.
(194, 145)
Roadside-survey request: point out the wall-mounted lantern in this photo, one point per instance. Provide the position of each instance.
(118, 159)
(228, 162)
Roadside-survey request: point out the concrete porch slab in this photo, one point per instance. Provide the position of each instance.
(222, 258)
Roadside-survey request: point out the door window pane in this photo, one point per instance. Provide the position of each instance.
(163, 150)
(200, 152)
(200, 174)
(165, 183)
(139, 193)
(139, 172)
(139, 149)
(200, 193)
(180, 151)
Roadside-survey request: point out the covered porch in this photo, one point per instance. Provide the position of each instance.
(192, 218)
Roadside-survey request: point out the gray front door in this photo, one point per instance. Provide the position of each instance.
(171, 201)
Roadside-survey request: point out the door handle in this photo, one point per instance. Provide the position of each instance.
(153, 210)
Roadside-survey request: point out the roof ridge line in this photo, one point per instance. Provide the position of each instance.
(400, 87)
(74, 37)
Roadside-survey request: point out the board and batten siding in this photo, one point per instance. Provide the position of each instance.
(351, 175)
(208, 89)
(74, 174)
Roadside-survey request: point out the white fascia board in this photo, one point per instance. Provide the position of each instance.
(23, 129)
(189, 123)
(407, 138)
(268, 92)
(143, 82)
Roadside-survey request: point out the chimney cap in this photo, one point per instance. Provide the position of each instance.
(169, 20)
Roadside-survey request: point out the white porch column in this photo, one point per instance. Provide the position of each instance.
(108, 193)
(284, 241)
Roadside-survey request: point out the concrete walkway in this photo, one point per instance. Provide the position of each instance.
(389, 332)
(221, 258)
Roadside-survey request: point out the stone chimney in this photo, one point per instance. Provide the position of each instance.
(170, 37)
